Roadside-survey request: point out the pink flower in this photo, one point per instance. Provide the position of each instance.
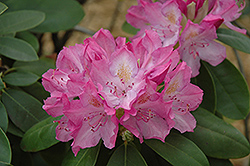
(163, 18)
(229, 11)
(151, 116)
(197, 42)
(93, 120)
(186, 97)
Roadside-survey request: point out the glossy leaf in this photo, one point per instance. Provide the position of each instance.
(37, 91)
(20, 20)
(231, 90)
(37, 67)
(23, 109)
(60, 14)
(178, 150)
(13, 129)
(40, 136)
(205, 81)
(125, 155)
(3, 7)
(3, 118)
(30, 38)
(5, 150)
(217, 138)
(219, 162)
(234, 39)
(126, 27)
(20, 78)
(17, 49)
(2, 85)
(87, 156)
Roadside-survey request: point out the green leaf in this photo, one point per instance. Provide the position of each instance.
(1, 84)
(3, 117)
(13, 129)
(205, 81)
(60, 14)
(217, 138)
(17, 49)
(126, 154)
(5, 150)
(3, 7)
(234, 39)
(20, 78)
(219, 162)
(29, 38)
(37, 91)
(178, 150)
(40, 136)
(87, 156)
(126, 27)
(23, 109)
(231, 90)
(20, 20)
(37, 67)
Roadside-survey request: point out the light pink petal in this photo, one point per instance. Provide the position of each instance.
(109, 132)
(237, 29)
(136, 17)
(105, 39)
(55, 104)
(69, 59)
(214, 54)
(76, 83)
(55, 80)
(185, 122)
(64, 129)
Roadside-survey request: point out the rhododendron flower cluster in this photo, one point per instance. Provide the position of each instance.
(190, 25)
(106, 85)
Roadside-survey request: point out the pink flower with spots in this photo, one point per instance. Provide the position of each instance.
(151, 116)
(197, 42)
(164, 18)
(104, 82)
(186, 97)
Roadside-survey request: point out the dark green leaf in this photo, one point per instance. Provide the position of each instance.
(126, 27)
(5, 150)
(3, 7)
(17, 49)
(205, 81)
(20, 78)
(231, 90)
(125, 155)
(37, 91)
(40, 136)
(19, 157)
(23, 109)
(55, 154)
(20, 20)
(3, 118)
(1, 84)
(37, 67)
(60, 14)
(217, 138)
(30, 38)
(178, 150)
(219, 162)
(234, 39)
(13, 129)
(87, 156)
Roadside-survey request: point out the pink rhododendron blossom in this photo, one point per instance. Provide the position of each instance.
(197, 42)
(153, 116)
(186, 97)
(106, 82)
(164, 18)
